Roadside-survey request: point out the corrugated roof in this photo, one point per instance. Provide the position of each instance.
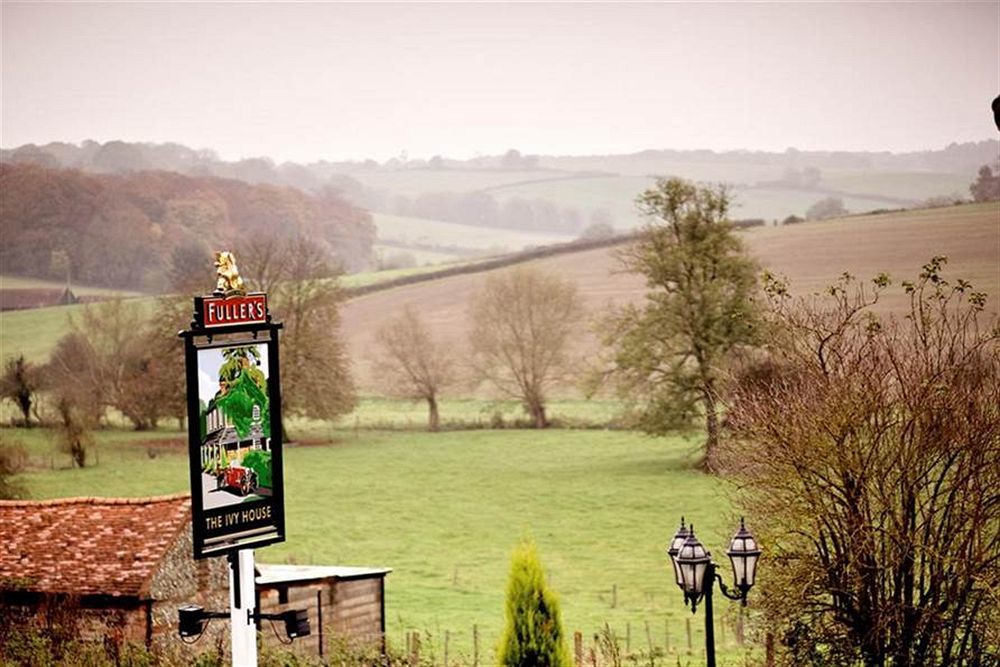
(280, 574)
(84, 546)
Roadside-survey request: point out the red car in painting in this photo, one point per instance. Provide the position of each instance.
(236, 477)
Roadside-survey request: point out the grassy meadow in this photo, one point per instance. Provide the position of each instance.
(421, 231)
(34, 332)
(445, 510)
(19, 282)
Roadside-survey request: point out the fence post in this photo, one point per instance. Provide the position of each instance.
(687, 623)
(649, 640)
(666, 636)
(578, 649)
(447, 638)
(614, 595)
(475, 646)
(415, 648)
(319, 620)
(628, 636)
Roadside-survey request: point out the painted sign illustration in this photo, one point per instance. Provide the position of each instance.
(235, 425)
(234, 434)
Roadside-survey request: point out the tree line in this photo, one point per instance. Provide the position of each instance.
(146, 230)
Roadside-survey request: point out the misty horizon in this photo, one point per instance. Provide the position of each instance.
(350, 82)
(420, 158)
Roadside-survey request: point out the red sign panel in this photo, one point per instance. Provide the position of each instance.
(221, 311)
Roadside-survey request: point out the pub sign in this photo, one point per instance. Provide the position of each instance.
(234, 419)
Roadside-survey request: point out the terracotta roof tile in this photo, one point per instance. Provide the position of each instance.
(109, 546)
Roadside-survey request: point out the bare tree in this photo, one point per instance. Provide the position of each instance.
(73, 432)
(115, 355)
(522, 324)
(316, 378)
(868, 449)
(19, 383)
(413, 365)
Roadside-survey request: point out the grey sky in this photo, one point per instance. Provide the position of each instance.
(336, 81)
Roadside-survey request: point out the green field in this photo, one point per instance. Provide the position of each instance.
(421, 231)
(17, 282)
(909, 185)
(34, 332)
(617, 194)
(412, 182)
(445, 510)
(422, 257)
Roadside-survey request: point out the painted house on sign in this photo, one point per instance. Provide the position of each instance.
(222, 442)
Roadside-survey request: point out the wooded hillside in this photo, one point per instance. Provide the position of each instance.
(134, 230)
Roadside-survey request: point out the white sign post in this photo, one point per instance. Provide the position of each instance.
(242, 608)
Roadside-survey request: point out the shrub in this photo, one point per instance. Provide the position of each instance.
(867, 449)
(13, 459)
(533, 636)
(260, 462)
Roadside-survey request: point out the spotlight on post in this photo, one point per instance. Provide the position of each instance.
(191, 620)
(296, 623)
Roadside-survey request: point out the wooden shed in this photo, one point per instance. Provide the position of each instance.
(344, 603)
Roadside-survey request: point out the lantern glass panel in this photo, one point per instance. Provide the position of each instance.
(674, 550)
(699, 577)
(677, 571)
(739, 568)
(751, 569)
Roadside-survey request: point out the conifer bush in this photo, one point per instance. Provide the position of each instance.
(533, 636)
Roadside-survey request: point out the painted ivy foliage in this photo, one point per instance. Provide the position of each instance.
(238, 400)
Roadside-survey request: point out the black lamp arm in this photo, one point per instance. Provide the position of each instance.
(739, 594)
(215, 614)
(256, 616)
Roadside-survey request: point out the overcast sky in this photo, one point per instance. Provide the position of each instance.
(336, 81)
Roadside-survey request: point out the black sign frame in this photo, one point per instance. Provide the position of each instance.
(249, 524)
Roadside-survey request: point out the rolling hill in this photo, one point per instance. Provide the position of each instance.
(812, 255)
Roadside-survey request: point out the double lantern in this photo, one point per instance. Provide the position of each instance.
(692, 562)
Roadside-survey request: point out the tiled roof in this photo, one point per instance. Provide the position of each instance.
(109, 546)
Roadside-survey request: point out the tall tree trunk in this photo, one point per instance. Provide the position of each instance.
(24, 402)
(433, 419)
(708, 462)
(537, 410)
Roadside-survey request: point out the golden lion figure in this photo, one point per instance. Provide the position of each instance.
(229, 280)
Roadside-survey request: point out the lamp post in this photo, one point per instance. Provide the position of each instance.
(696, 574)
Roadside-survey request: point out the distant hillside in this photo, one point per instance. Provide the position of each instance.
(563, 194)
(131, 230)
(812, 255)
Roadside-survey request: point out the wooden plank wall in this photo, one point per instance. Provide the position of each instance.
(351, 610)
(357, 609)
